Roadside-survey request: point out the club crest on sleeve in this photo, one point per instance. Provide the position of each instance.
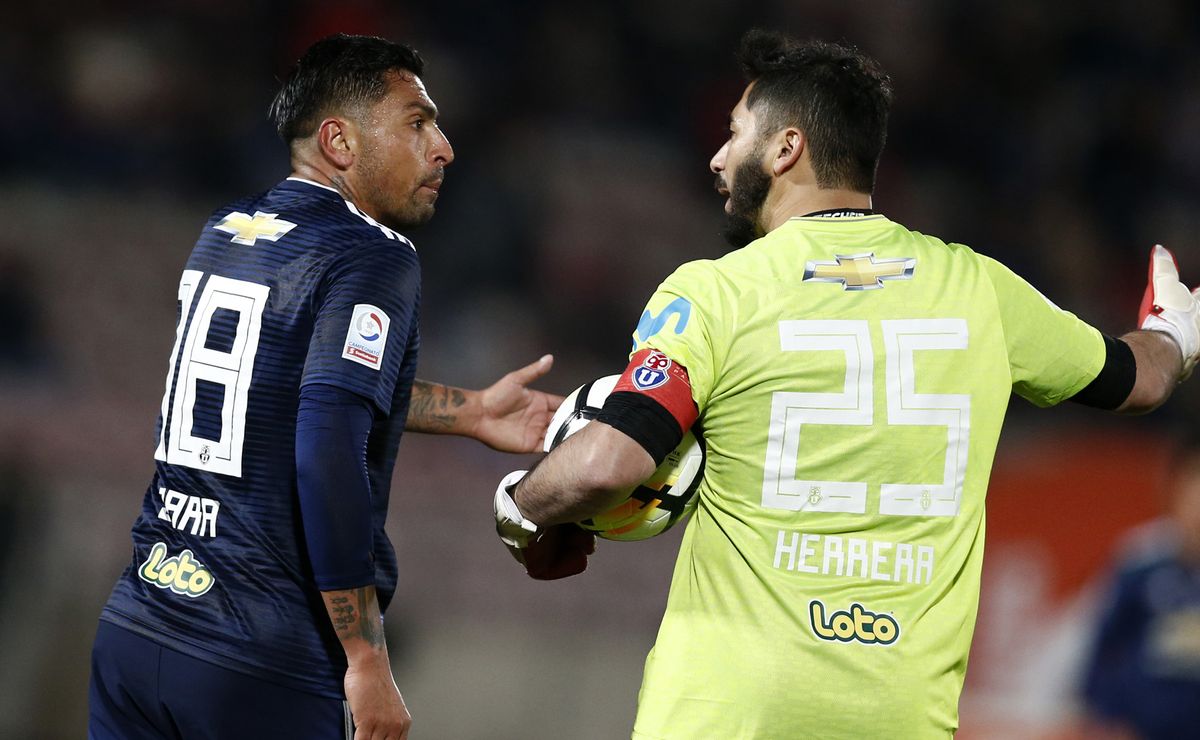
(653, 372)
(367, 336)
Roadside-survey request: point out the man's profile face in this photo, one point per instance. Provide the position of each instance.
(742, 175)
(403, 155)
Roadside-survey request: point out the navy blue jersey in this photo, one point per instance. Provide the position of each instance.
(1144, 670)
(288, 288)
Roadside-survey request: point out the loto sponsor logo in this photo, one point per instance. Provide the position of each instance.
(181, 574)
(857, 624)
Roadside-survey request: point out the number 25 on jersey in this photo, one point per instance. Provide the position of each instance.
(855, 406)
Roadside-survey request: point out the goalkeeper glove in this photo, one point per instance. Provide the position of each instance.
(547, 553)
(1168, 306)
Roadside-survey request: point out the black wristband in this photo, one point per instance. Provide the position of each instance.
(644, 420)
(1114, 383)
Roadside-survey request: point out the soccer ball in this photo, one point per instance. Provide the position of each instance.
(663, 499)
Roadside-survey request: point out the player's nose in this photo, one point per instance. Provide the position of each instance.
(442, 153)
(717, 163)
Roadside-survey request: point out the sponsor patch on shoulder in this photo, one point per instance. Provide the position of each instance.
(367, 336)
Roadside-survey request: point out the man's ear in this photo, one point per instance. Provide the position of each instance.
(337, 140)
(790, 145)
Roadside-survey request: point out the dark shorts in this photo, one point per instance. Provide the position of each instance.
(140, 689)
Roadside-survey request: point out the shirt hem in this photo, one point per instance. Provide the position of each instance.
(181, 645)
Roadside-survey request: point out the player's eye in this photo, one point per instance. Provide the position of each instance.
(419, 124)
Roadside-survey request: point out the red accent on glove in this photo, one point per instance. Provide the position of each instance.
(1148, 306)
(561, 551)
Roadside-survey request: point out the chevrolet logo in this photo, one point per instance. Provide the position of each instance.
(860, 271)
(247, 230)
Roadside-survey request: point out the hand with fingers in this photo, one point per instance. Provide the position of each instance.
(513, 416)
(1168, 306)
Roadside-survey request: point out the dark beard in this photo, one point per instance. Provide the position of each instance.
(743, 222)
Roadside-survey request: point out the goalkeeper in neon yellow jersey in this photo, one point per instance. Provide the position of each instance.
(850, 378)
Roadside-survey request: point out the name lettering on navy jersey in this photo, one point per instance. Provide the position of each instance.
(247, 229)
(180, 574)
(195, 515)
(859, 271)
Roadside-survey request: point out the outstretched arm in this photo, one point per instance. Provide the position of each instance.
(507, 415)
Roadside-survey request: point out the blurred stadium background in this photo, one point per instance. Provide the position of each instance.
(1060, 138)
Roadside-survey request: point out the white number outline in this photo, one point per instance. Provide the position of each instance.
(187, 289)
(854, 406)
(233, 370)
(901, 338)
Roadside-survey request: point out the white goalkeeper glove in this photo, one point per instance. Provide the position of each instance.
(1168, 306)
(553, 552)
(516, 532)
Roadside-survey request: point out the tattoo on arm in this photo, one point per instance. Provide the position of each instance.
(434, 407)
(343, 616)
(356, 619)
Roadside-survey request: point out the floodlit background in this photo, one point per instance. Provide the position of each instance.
(1061, 140)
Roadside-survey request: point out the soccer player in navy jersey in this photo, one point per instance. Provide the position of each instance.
(1142, 677)
(252, 604)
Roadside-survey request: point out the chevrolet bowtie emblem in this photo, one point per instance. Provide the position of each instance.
(246, 230)
(860, 271)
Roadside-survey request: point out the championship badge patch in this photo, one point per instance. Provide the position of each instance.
(367, 336)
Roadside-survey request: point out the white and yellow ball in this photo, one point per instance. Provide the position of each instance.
(663, 499)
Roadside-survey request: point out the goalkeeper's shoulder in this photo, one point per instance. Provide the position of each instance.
(691, 276)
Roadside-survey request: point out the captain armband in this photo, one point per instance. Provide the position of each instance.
(652, 403)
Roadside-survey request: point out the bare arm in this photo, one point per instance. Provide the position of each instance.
(593, 470)
(440, 409)
(371, 691)
(507, 415)
(1159, 366)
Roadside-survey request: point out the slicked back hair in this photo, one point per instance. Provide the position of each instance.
(339, 73)
(836, 95)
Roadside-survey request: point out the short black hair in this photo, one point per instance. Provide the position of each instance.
(338, 73)
(838, 96)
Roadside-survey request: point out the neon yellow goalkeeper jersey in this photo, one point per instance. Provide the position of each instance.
(852, 377)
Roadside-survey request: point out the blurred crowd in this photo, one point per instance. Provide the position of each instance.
(1060, 138)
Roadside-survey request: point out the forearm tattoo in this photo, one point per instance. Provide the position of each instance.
(342, 613)
(351, 620)
(434, 407)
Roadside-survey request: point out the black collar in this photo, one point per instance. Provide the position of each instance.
(840, 213)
